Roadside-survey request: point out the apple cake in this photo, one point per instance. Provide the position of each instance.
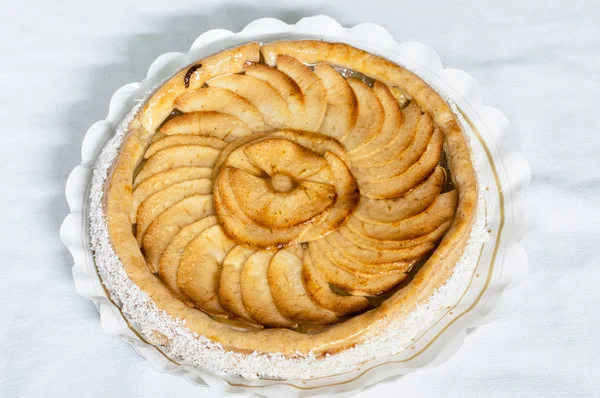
(275, 209)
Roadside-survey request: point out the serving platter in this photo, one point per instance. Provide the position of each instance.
(503, 175)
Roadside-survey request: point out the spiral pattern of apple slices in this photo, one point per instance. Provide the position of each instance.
(286, 194)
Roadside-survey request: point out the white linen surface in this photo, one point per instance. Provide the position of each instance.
(537, 61)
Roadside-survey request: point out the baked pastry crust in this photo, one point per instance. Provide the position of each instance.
(432, 274)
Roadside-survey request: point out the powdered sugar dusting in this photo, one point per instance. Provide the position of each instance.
(187, 347)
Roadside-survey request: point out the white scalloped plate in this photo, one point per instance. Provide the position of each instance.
(504, 175)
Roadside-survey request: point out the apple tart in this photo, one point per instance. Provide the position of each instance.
(291, 199)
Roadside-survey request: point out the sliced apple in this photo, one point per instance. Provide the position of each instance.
(321, 293)
(359, 239)
(241, 227)
(392, 123)
(351, 283)
(296, 249)
(358, 267)
(287, 88)
(396, 209)
(163, 180)
(383, 260)
(256, 292)
(346, 200)
(283, 151)
(182, 139)
(179, 156)
(324, 176)
(262, 95)
(239, 160)
(160, 201)
(230, 292)
(289, 293)
(216, 124)
(234, 156)
(401, 141)
(276, 155)
(169, 223)
(200, 269)
(370, 117)
(400, 184)
(159, 104)
(379, 171)
(316, 142)
(171, 257)
(437, 214)
(342, 105)
(313, 91)
(224, 101)
(269, 208)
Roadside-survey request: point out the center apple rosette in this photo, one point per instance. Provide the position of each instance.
(286, 195)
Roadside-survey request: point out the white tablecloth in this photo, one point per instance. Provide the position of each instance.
(538, 61)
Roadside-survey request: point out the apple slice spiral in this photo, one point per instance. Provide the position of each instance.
(285, 194)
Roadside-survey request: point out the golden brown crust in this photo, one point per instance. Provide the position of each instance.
(340, 336)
